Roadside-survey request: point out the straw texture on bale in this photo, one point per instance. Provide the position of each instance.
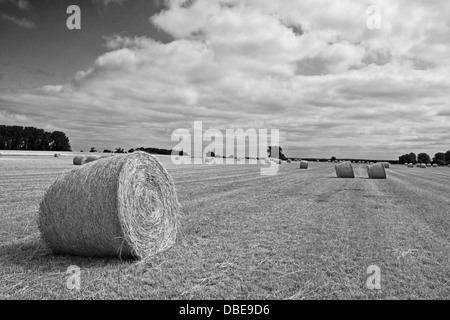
(303, 164)
(79, 160)
(344, 170)
(122, 206)
(376, 171)
(386, 165)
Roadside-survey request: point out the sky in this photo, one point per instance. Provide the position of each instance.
(316, 70)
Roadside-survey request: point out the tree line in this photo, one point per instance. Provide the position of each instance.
(32, 139)
(439, 158)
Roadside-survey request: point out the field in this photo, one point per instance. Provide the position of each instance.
(302, 234)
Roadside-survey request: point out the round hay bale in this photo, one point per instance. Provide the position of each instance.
(386, 165)
(423, 166)
(79, 160)
(303, 164)
(435, 165)
(344, 170)
(57, 155)
(289, 161)
(122, 206)
(410, 165)
(428, 164)
(92, 158)
(376, 171)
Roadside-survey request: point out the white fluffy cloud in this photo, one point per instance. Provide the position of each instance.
(310, 68)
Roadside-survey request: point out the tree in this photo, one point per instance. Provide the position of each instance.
(119, 150)
(447, 157)
(439, 158)
(60, 142)
(333, 159)
(276, 152)
(93, 149)
(412, 157)
(107, 151)
(131, 150)
(423, 158)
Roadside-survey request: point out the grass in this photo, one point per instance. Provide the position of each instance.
(302, 234)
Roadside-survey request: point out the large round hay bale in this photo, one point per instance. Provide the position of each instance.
(386, 165)
(376, 171)
(344, 170)
(423, 165)
(410, 165)
(122, 206)
(428, 164)
(79, 160)
(435, 165)
(303, 164)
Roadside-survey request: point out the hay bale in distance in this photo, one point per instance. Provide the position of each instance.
(94, 158)
(122, 206)
(57, 155)
(376, 171)
(79, 160)
(303, 164)
(344, 170)
(423, 166)
(428, 164)
(386, 165)
(435, 165)
(410, 165)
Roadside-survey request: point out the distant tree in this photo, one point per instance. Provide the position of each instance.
(131, 150)
(93, 149)
(119, 150)
(447, 157)
(333, 159)
(439, 158)
(60, 142)
(82, 151)
(412, 157)
(423, 158)
(107, 151)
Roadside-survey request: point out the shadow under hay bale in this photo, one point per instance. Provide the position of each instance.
(122, 206)
(344, 170)
(303, 164)
(376, 171)
(79, 160)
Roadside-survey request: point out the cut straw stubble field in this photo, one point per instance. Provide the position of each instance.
(253, 237)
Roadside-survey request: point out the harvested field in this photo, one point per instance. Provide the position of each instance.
(302, 234)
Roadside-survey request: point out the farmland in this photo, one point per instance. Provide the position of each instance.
(302, 234)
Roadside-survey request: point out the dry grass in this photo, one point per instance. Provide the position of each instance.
(297, 235)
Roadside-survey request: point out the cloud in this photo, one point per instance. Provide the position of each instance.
(21, 22)
(20, 4)
(311, 69)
